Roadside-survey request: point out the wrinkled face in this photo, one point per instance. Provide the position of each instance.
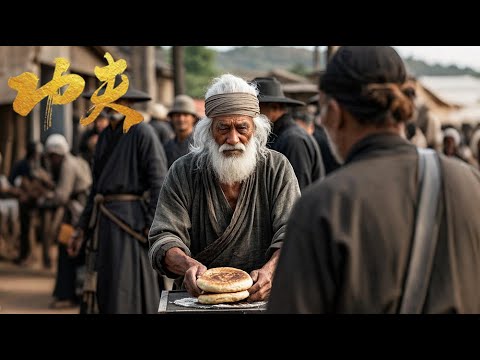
(232, 130)
(183, 122)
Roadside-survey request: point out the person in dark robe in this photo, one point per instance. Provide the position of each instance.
(159, 121)
(349, 237)
(183, 116)
(304, 119)
(329, 161)
(128, 173)
(73, 178)
(225, 203)
(287, 138)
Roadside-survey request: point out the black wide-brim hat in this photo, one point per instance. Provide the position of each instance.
(131, 94)
(270, 91)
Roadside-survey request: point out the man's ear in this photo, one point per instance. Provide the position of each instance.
(336, 116)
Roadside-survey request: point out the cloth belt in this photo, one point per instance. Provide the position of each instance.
(90, 283)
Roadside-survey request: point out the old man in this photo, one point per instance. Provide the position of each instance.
(226, 203)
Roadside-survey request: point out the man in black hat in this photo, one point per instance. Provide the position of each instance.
(183, 116)
(287, 137)
(128, 172)
(349, 238)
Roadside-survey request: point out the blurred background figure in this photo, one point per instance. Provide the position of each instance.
(430, 126)
(453, 147)
(159, 121)
(415, 135)
(72, 177)
(304, 119)
(294, 142)
(32, 182)
(184, 117)
(475, 145)
(7, 217)
(89, 138)
(6, 189)
(329, 161)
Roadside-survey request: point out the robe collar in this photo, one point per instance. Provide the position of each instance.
(377, 142)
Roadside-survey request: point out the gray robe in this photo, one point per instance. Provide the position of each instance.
(349, 237)
(137, 164)
(175, 149)
(194, 215)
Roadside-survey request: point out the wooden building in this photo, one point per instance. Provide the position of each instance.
(147, 71)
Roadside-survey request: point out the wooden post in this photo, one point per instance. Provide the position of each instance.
(178, 70)
(330, 51)
(151, 75)
(316, 58)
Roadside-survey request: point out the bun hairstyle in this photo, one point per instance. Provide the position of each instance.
(371, 83)
(396, 99)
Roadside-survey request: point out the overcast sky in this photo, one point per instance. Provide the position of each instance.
(445, 55)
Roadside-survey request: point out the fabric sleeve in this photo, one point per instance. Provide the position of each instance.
(66, 183)
(171, 225)
(153, 163)
(284, 192)
(87, 211)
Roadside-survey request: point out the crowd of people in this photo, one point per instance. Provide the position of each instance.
(317, 202)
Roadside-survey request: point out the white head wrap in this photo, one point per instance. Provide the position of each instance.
(453, 133)
(57, 144)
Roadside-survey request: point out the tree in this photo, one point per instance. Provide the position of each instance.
(299, 69)
(200, 68)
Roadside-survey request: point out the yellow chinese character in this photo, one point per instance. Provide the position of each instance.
(107, 74)
(28, 94)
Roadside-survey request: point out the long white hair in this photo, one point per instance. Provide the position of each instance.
(203, 136)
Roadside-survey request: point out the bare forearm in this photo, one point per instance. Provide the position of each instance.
(177, 262)
(271, 264)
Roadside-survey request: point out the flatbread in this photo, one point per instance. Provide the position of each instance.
(224, 280)
(223, 298)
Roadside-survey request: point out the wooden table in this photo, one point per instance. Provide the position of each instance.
(168, 307)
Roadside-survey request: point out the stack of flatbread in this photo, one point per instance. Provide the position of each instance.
(224, 285)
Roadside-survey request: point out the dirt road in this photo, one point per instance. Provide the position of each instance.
(27, 290)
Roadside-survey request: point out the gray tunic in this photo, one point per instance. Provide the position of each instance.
(194, 215)
(349, 237)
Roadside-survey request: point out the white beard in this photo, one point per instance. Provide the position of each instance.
(334, 149)
(233, 169)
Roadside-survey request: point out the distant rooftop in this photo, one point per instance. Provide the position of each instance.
(461, 90)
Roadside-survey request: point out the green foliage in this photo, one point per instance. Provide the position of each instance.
(300, 69)
(421, 68)
(200, 69)
(265, 58)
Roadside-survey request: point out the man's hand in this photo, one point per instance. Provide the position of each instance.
(262, 279)
(262, 284)
(191, 276)
(75, 243)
